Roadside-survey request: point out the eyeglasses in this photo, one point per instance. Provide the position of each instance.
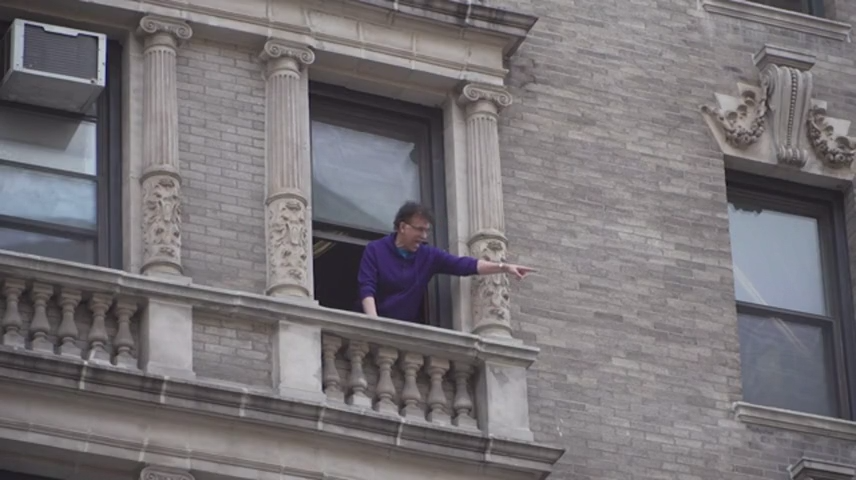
(424, 230)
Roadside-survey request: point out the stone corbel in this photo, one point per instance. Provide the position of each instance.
(812, 469)
(778, 123)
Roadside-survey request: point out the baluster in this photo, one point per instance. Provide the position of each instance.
(40, 328)
(385, 358)
(99, 304)
(437, 368)
(463, 403)
(332, 383)
(410, 394)
(124, 340)
(358, 384)
(12, 324)
(67, 333)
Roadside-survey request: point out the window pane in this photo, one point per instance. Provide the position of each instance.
(786, 365)
(360, 179)
(777, 259)
(74, 250)
(794, 5)
(47, 197)
(47, 141)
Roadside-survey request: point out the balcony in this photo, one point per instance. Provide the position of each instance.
(284, 364)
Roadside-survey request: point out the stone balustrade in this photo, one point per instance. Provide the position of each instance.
(281, 348)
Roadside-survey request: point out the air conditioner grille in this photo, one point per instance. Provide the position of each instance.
(60, 54)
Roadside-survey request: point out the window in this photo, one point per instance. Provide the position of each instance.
(811, 7)
(793, 295)
(60, 178)
(369, 156)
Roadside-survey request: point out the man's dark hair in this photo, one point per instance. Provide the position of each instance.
(410, 210)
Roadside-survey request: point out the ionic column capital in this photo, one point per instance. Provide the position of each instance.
(482, 97)
(286, 55)
(164, 31)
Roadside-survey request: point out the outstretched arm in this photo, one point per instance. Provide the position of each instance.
(367, 279)
(491, 268)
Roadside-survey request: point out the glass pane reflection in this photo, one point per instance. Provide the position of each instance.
(74, 250)
(360, 179)
(48, 141)
(777, 259)
(47, 197)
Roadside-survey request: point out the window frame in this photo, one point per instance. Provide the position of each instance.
(326, 99)
(108, 175)
(809, 7)
(827, 206)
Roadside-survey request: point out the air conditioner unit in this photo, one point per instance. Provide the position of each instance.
(53, 66)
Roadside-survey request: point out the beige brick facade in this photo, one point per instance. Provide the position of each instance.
(613, 188)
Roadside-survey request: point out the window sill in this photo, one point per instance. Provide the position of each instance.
(796, 421)
(777, 17)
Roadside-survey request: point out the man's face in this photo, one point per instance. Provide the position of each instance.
(413, 232)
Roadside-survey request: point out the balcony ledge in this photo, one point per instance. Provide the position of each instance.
(795, 421)
(198, 397)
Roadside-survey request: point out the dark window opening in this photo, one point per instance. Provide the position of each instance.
(810, 7)
(792, 287)
(369, 156)
(60, 176)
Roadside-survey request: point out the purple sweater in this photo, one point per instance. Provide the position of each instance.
(397, 283)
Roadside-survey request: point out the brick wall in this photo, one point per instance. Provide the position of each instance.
(232, 350)
(614, 190)
(221, 120)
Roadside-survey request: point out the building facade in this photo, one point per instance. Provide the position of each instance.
(186, 187)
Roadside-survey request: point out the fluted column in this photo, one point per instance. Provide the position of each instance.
(287, 161)
(161, 179)
(487, 225)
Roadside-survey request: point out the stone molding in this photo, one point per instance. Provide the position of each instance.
(155, 472)
(778, 123)
(777, 17)
(814, 469)
(795, 421)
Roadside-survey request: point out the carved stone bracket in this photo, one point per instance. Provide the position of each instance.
(164, 473)
(490, 299)
(288, 245)
(744, 125)
(812, 469)
(835, 151)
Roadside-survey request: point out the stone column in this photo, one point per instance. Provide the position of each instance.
(161, 179)
(287, 162)
(487, 223)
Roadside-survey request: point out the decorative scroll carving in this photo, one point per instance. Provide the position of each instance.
(788, 92)
(151, 24)
(283, 49)
(287, 241)
(474, 92)
(162, 220)
(835, 151)
(490, 299)
(744, 125)
(163, 473)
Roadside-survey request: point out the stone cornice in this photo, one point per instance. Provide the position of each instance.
(223, 402)
(777, 17)
(450, 344)
(796, 421)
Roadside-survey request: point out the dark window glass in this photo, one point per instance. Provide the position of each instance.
(811, 7)
(789, 263)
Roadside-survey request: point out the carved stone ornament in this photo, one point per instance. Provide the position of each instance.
(162, 220)
(490, 300)
(788, 100)
(163, 473)
(835, 151)
(274, 49)
(475, 92)
(744, 125)
(152, 24)
(288, 244)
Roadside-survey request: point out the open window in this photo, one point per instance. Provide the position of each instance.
(369, 156)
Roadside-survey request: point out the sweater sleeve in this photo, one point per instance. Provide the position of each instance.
(367, 276)
(449, 264)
